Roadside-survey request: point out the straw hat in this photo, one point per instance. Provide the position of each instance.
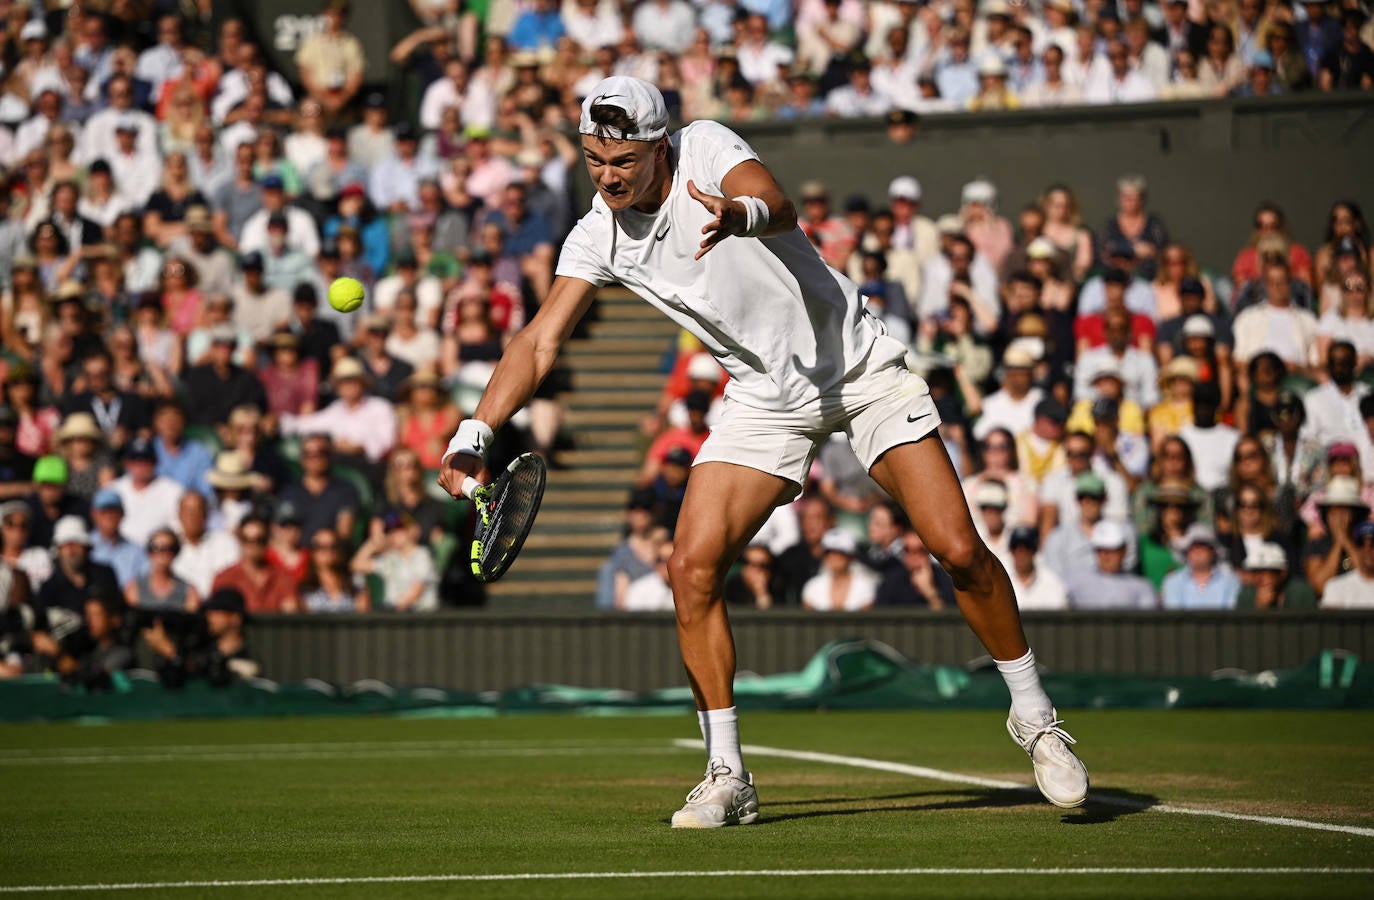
(79, 425)
(1178, 367)
(230, 473)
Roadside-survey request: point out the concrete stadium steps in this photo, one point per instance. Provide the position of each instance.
(615, 382)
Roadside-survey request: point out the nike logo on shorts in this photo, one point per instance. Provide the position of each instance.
(918, 418)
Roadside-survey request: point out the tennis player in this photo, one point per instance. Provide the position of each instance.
(696, 225)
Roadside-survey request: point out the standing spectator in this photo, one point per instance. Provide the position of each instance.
(203, 554)
(1107, 585)
(840, 585)
(265, 589)
(1272, 587)
(1354, 589)
(1036, 586)
(651, 592)
(393, 553)
(331, 61)
(1203, 583)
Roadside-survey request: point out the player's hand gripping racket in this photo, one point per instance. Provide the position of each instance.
(505, 512)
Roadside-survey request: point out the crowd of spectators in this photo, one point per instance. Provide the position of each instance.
(1133, 431)
(188, 429)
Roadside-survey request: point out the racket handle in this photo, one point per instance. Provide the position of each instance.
(470, 486)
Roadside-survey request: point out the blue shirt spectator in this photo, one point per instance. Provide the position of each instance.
(187, 465)
(537, 29)
(1202, 583)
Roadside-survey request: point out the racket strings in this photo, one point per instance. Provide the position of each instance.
(513, 507)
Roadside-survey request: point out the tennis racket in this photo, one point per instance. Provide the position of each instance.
(505, 512)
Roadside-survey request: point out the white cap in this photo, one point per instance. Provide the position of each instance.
(1199, 326)
(640, 100)
(1107, 368)
(991, 64)
(991, 493)
(1266, 557)
(904, 187)
(949, 223)
(33, 30)
(1041, 248)
(840, 542)
(980, 191)
(1108, 535)
(1198, 533)
(70, 530)
(704, 367)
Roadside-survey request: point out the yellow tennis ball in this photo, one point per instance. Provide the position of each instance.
(346, 294)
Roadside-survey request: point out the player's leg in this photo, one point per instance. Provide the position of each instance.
(920, 476)
(725, 506)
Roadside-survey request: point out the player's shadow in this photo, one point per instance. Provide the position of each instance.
(1101, 807)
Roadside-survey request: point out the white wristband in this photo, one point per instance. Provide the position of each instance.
(756, 215)
(472, 439)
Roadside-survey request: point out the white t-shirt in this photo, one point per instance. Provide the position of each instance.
(1212, 449)
(147, 510)
(1349, 591)
(1045, 591)
(1001, 410)
(648, 593)
(863, 590)
(785, 325)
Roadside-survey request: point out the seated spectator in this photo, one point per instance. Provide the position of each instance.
(408, 341)
(670, 485)
(425, 417)
(215, 649)
(991, 501)
(110, 545)
(1333, 407)
(93, 654)
(184, 462)
(651, 592)
(1173, 509)
(1106, 585)
(1296, 459)
(1036, 586)
(1349, 66)
(1013, 405)
(1349, 321)
(301, 233)
(263, 307)
(887, 522)
(1090, 329)
(1203, 583)
(324, 500)
(1211, 442)
(1106, 382)
(386, 373)
(1349, 258)
(1060, 489)
(1069, 548)
(798, 563)
(637, 553)
(362, 428)
(1254, 521)
(219, 385)
(998, 454)
(327, 585)
(203, 554)
(1269, 585)
(1039, 449)
(150, 500)
(840, 584)
(1141, 230)
(52, 499)
(203, 251)
(1354, 589)
(291, 384)
(120, 415)
(919, 581)
(219, 315)
(405, 567)
(1269, 221)
(75, 575)
(321, 338)
(159, 589)
(1192, 315)
(1276, 324)
(36, 424)
(425, 288)
(263, 588)
(756, 585)
(1126, 455)
(17, 549)
(16, 467)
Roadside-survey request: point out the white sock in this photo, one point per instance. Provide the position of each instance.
(1029, 701)
(720, 731)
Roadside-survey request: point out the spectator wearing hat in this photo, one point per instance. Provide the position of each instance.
(637, 553)
(1193, 321)
(203, 552)
(1173, 508)
(75, 575)
(18, 549)
(1013, 405)
(149, 500)
(301, 233)
(692, 371)
(424, 415)
(1059, 488)
(1333, 407)
(290, 383)
(394, 554)
(1069, 548)
(53, 497)
(993, 90)
(1276, 324)
(136, 169)
(840, 584)
(1270, 586)
(185, 462)
(911, 231)
(1354, 589)
(1342, 461)
(1343, 507)
(234, 483)
(1040, 448)
(1107, 384)
(992, 522)
(362, 427)
(690, 436)
(331, 61)
(1037, 586)
(201, 249)
(215, 651)
(1105, 583)
(1204, 582)
(120, 415)
(371, 141)
(16, 466)
(988, 232)
(219, 316)
(219, 385)
(386, 372)
(1346, 257)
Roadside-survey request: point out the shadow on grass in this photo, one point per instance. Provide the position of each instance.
(1101, 807)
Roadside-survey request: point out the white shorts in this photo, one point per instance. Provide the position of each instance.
(878, 407)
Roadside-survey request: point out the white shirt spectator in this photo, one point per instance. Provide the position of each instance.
(1333, 416)
(158, 64)
(848, 103)
(429, 294)
(198, 564)
(1154, 65)
(136, 176)
(400, 573)
(937, 274)
(233, 90)
(420, 350)
(1103, 87)
(896, 80)
(1045, 590)
(1058, 490)
(1358, 331)
(648, 593)
(104, 214)
(1289, 331)
(1001, 410)
(780, 531)
(371, 424)
(1212, 449)
(98, 137)
(863, 590)
(30, 135)
(149, 509)
(602, 27)
(395, 180)
(759, 63)
(1042, 94)
(304, 150)
(1139, 298)
(664, 25)
(1349, 591)
(1139, 373)
(301, 233)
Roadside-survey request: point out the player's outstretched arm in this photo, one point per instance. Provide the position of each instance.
(527, 360)
(747, 185)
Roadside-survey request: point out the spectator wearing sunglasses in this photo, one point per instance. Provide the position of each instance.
(159, 589)
(265, 588)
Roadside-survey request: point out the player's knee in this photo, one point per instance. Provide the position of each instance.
(692, 576)
(967, 560)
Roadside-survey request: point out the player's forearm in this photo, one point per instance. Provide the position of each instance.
(521, 370)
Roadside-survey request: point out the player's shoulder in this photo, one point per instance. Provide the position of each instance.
(706, 132)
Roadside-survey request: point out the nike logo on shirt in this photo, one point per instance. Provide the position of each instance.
(664, 233)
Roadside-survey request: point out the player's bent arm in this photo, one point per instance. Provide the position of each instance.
(531, 354)
(750, 178)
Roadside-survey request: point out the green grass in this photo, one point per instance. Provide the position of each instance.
(308, 798)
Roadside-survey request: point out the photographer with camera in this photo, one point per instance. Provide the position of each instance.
(210, 645)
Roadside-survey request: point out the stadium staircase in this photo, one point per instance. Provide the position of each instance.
(615, 382)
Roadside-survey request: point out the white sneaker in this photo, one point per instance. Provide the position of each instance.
(1059, 774)
(721, 799)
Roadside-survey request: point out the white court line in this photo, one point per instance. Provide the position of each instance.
(722, 873)
(859, 762)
